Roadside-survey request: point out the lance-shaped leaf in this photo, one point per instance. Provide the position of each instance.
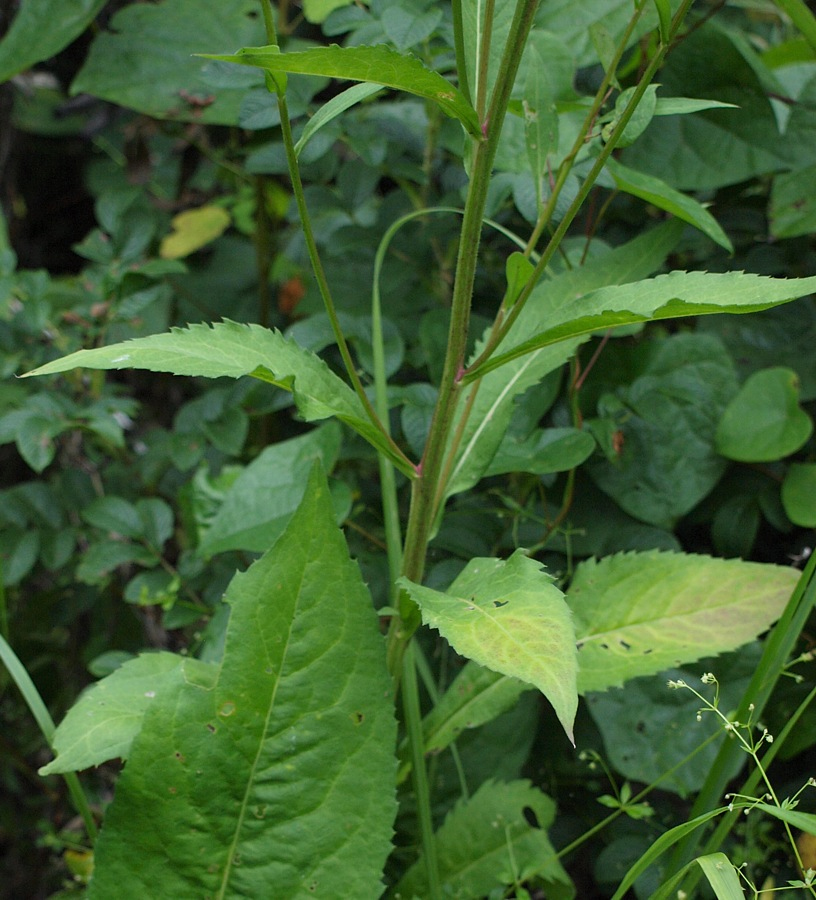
(376, 65)
(101, 725)
(510, 617)
(228, 349)
(557, 318)
(280, 777)
(640, 613)
(496, 838)
(490, 412)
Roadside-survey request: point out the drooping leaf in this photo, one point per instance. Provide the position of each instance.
(40, 30)
(378, 65)
(799, 494)
(145, 61)
(546, 450)
(332, 109)
(281, 773)
(227, 349)
(492, 409)
(102, 724)
(764, 421)
(722, 876)
(495, 839)
(261, 501)
(640, 613)
(511, 618)
(661, 195)
(476, 696)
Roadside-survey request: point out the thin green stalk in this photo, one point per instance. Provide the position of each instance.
(777, 649)
(46, 724)
(485, 363)
(802, 18)
(459, 49)
(420, 520)
(485, 40)
(263, 251)
(422, 793)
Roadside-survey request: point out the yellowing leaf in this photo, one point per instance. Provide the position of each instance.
(193, 230)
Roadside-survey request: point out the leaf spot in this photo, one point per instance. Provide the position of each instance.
(530, 817)
(500, 603)
(357, 718)
(123, 358)
(625, 645)
(227, 709)
(150, 694)
(211, 727)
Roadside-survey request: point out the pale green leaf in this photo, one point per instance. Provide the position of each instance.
(764, 422)
(495, 393)
(803, 821)
(799, 494)
(683, 106)
(489, 842)
(227, 349)
(332, 109)
(41, 29)
(661, 195)
(670, 296)
(317, 11)
(101, 725)
(722, 876)
(194, 229)
(262, 499)
(378, 65)
(640, 613)
(511, 618)
(282, 773)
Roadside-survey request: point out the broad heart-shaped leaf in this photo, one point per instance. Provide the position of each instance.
(640, 613)
(264, 496)
(510, 617)
(663, 196)
(764, 422)
(377, 65)
(799, 494)
(496, 838)
(491, 410)
(280, 778)
(145, 62)
(102, 724)
(227, 349)
(40, 29)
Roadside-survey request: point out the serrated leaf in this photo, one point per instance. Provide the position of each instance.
(511, 618)
(764, 422)
(492, 409)
(101, 725)
(661, 195)
(227, 349)
(262, 499)
(670, 296)
(40, 30)
(640, 613)
(378, 65)
(799, 494)
(297, 734)
(496, 838)
(194, 229)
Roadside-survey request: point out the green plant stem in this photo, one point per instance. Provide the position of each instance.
(778, 647)
(322, 281)
(485, 363)
(459, 49)
(801, 17)
(263, 252)
(46, 724)
(424, 488)
(413, 725)
(484, 59)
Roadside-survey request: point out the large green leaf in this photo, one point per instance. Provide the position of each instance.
(553, 317)
(145, 62)
(666, 422)
(40, 29)
(545, 451)
(640, 613)
(263, 498)
(495, 839)
(281, 775)
(227, 349)
(764, 422)
(492, 409)
(378, 65)
(510, 617)
(102, 724)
